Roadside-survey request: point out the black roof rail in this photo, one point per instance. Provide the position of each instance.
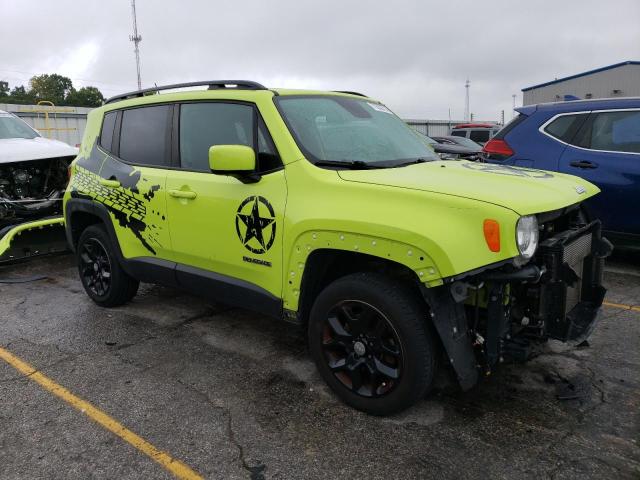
(212, 84)
(351, 93)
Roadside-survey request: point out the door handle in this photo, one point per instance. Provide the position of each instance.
(109, 183)
(183, 194)
(584, 164)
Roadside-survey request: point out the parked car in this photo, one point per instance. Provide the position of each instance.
(469, 150)
(598, 140)
(478, 132)
(453, 151)
(327, 210)
(33, 178)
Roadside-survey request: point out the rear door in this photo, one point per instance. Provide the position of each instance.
(606, 152)
(131, 181)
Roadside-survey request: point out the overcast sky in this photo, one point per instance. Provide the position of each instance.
(413, 55)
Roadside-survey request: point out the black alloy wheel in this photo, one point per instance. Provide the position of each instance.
(370, 337)
(362, 348)
(101, 274)
(95, 267)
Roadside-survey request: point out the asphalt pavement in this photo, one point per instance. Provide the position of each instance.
(231, 394)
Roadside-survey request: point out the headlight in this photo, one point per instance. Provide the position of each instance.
(527, 236)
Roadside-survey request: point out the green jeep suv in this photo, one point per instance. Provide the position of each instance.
(326, 210)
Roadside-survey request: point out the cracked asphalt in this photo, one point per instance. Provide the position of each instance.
(234, 395)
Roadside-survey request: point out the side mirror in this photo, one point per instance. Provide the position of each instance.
(236, 160)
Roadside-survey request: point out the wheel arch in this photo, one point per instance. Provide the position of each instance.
(81, 213)
(319, 257)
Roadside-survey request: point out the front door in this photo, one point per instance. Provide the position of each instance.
(607, 153)
(219, 225)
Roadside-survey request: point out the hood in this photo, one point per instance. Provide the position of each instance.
(21, 149)
(525, 191)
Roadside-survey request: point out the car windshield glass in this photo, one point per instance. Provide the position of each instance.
(343, 129)
(12, 127)
(467, 142)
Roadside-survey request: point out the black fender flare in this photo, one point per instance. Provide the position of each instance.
(449, 319)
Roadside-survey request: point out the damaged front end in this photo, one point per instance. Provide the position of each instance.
(502, 313)
(31, 207)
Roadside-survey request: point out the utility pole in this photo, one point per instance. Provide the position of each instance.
(466, 101)
(136, 39)
(513, 111)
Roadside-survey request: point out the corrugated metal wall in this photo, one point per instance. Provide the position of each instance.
(66, 124)
(625, 78)
(436, 128)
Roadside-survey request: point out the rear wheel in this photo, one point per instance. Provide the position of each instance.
(101, 275)
(369, 339)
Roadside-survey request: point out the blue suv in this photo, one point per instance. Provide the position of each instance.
(598, 140)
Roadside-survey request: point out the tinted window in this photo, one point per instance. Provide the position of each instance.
(480, 135)
(203, 125)
(616, 131)
(144, 135)
(106, 135)
(565, 127)
(459, 133)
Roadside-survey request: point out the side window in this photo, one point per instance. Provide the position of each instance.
(616, 131)
(458, 133)
(203, 125)
(144, 135)
(565, 127)
(106, 134)
(480, 136)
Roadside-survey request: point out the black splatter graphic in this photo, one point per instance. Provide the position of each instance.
(127, 205)
(149, 195)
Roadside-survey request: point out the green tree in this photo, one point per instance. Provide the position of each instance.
(85, 97)
(51, 87)
(21, 96)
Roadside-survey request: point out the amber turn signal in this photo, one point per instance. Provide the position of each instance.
(491, 230)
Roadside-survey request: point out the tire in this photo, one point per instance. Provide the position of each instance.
(102, 277)
(369, 337)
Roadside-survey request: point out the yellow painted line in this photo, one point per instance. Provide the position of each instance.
(177, 468)
(621, 306)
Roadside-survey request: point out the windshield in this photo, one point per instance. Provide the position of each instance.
(467, 142)
(13, 127)
(342, 129)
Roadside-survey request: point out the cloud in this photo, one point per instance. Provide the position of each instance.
(413, 55)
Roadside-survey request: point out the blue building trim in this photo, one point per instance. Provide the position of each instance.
(578, 75)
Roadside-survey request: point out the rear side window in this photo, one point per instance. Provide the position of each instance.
(203, 125)
(480, 135)
(459, 133)
(106, 134)
(616, 131)
(565, 127)
(144, 136)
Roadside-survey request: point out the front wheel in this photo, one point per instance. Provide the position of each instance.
(369, 339)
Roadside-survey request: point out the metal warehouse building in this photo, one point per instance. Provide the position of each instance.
(618, 80)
